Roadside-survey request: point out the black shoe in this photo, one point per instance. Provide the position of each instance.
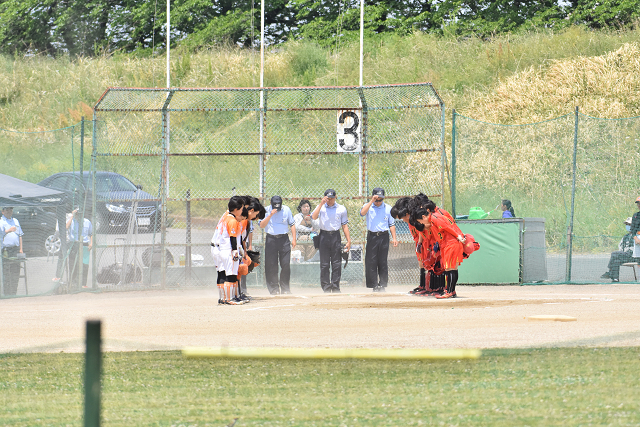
(606, 275)
(376, 289)
(244, 297)
(615, 280)
(382, 289)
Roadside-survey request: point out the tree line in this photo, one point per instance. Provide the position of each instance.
(94, 27)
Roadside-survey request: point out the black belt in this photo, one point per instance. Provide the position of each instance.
(378, 233)
(277, 235)
(330, 231)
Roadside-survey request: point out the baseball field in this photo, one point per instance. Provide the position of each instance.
(581, 372)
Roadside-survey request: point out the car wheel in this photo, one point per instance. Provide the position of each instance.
(52, 244)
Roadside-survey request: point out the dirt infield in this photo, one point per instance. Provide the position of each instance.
(482, 317)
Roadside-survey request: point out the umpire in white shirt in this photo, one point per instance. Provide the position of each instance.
(332, 216)
(277, 246)
(379, 224)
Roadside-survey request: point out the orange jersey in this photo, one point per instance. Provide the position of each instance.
(444, 228)
(428, 257)
(445, 213)
(227, 228)
(445, 232)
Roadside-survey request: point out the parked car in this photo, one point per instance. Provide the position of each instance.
(38, 225)
(114, 199)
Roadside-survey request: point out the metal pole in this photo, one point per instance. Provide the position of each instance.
(360, 157)
(573, 199)
(164, 186)
(94, 216)
(92, 373)
(361, 40)
(81, 212)
(188, 246)
(444, 152)
(262, 112)
(168, 44)
(453, 163)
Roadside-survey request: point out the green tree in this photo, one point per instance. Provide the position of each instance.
(604, 14)
(26, 26)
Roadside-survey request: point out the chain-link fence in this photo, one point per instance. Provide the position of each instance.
(167, 161)
(574, 174)
(49, 261)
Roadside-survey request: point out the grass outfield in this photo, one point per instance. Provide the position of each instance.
(559, 386)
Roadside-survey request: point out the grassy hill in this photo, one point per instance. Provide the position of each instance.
(38, 93)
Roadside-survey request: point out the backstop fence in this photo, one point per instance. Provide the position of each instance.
(576, 174)
(186, 151)
(34, 157)
(174, 157)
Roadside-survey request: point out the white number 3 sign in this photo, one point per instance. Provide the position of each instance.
(349, 133)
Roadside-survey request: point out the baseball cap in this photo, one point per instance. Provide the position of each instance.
(276, 202)
(628, 221)
(7, 207)
(378, 192)
(330, 192)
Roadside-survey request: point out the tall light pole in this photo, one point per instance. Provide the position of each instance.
(168, 43)
(361, 38)
(261, 159)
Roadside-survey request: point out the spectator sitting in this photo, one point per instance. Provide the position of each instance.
(305, 225)
(622, 255)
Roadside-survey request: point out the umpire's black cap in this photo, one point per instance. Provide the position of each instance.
(276, 202)
(330, 192)
(378, 192)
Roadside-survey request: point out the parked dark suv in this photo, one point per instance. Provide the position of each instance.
(114, 198)
(38, 226)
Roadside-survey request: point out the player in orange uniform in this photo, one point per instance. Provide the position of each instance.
(400, 211)
(448, 239)
(225, 252)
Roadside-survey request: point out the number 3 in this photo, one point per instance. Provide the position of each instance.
(349, 131)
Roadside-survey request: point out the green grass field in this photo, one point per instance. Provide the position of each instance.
(543, 387)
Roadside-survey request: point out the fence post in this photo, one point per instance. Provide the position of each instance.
(263, 112)
(453, 163)
(444, 152)
(92, 373)
(362, 163)
(94, 216)
(573, 199)
(164, 186)
(81, 212)
(187, 251)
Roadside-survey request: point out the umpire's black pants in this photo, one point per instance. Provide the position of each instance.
(277, 248)
(330, 260)
(376, 266)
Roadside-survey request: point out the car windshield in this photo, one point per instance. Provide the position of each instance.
(110, 183)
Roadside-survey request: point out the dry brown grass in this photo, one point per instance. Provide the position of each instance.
(602, 86)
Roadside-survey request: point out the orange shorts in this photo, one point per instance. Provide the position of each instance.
(452, 255)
